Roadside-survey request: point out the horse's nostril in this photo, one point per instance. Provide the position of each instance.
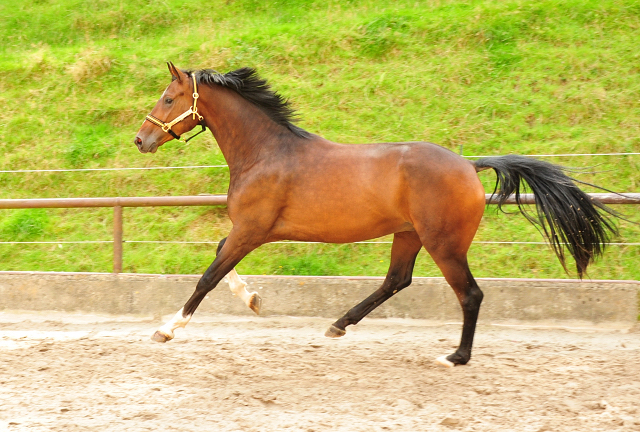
(138, 141)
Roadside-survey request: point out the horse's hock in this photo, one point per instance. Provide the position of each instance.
(604, 303)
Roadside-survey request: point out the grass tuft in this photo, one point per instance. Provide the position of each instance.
(24, 225)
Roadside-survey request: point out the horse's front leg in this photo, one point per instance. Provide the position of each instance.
(229, 255)
(239, 287)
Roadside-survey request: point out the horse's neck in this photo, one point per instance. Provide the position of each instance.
(241, 129)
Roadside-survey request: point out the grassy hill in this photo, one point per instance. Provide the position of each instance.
(78, 77)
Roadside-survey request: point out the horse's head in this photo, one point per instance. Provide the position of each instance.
(175, 113)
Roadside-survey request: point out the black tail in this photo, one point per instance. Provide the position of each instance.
(567, 216)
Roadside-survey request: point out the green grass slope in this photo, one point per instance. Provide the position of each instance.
(527, 77)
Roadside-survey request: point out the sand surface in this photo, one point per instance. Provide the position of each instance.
(68, 372)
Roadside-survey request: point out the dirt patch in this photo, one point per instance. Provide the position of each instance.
(75, 372)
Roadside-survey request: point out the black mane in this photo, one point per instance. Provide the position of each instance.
(246, 82)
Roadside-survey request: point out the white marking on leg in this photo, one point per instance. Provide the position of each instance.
(238, 287)
(177, 321)
(442, 361)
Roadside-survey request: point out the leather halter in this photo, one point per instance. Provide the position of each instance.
(193, 110)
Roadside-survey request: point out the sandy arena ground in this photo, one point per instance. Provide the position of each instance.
(65, 372)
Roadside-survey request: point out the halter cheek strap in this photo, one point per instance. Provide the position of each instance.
(193, 110)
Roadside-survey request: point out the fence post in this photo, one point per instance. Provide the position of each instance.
(117, 239)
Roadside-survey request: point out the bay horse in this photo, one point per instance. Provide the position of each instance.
(289, 184)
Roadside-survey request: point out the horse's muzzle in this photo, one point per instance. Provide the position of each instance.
(141, 147)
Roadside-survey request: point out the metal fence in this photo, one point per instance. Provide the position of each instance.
(117, 203)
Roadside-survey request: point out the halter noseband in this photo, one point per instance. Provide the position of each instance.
(193, 110)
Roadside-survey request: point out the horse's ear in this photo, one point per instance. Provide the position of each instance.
(175, 73)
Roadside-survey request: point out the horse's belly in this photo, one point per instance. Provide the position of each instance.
(337, 225)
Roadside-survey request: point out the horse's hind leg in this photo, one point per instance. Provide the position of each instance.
(239, 287)
(404, 250)
(456, 271)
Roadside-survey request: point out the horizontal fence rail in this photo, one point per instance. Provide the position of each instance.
(604, 198)
(207, 200)
(212, 200)
(178, 201)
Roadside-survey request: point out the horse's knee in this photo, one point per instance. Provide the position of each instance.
(202, 287)
(205, 284)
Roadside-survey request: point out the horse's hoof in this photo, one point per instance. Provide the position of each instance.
(442, 361)
(335, 332)
(255, 303)
(160, 337)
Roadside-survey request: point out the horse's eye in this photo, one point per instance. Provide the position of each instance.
(168, 101)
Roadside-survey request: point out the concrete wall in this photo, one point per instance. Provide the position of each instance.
(511, 300)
